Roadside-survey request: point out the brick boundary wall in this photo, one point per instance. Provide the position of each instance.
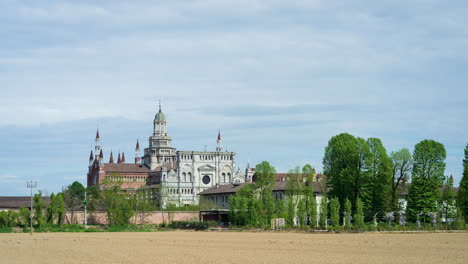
(155, 217)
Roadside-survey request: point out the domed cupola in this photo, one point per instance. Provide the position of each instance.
(160, 123)
(160, 115)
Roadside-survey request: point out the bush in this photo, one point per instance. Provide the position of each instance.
(195, 225)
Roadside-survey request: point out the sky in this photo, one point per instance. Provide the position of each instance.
(277, 78)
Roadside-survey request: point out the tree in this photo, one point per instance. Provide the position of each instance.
(462, 198)
(51, 210)
(335, 212)
(240, 206)
(291, 211)
(402, 163)
(118, 205)
(73, 197)
(24, 216)
(309, 198)
(38, 215)
(323, 213)
(345, 166)
(294, 192)
(359, 215)
(347, 213)
(265, 178)
(427, 177)
(377, 190)
(60, 205)
(447, 203)
(312, 213)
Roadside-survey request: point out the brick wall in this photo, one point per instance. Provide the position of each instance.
(156, 217)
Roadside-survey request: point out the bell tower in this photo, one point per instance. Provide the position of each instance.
(160, 144)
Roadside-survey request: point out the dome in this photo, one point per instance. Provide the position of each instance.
(160, 116)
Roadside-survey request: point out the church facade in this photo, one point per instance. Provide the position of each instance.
(164, 173)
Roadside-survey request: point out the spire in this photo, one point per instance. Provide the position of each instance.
(91, 158)
(123, 158)
(111, 159)
(97, 134)
(159, 105)
(137, 153)
(218, 142)
(119, 160)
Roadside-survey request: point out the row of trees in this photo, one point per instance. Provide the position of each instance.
(361, 169)
(363, 183)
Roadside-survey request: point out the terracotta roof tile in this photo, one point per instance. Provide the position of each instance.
(125, 167)
(14, 202)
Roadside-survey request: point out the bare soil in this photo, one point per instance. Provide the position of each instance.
(233, 247)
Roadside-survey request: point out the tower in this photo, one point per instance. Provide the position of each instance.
(160, 148)
(111, 158)
(218, 142)
(97, 145)
(91, 158)
(137, 153)
(159, 123)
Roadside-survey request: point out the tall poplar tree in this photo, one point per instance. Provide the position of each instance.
(427, 177)
(462, 199)
(265, 177)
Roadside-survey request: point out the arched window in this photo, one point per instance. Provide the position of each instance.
(184, 175)
(228, 177)
(223, 177)
(189, 177)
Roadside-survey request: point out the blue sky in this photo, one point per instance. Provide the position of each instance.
(278, 78)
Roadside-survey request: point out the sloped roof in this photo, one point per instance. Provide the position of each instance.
(20, 201)
(233, 188)
(125, 167)
(224, 188)
(282, 185)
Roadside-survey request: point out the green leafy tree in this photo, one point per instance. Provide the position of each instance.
(118, 205)
(73, 197)
(280, 209)
(24, 216)
(462, 198)
(359, 215)
(427, 177)
(447, 203)
(38, 209)
(60, 205)
(309, 198)
(460, 222)
(294, 192)
(347, 212)
(323, 213)
(291, 211)
(335, 212)
(377, 190)
(51, 210)
(345, 165)
(301, 212)
(402, 164)
(240, 206)
(312, 213)
(265, 178)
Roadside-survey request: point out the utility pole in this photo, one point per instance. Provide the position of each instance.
(31, 185)
(85, 202)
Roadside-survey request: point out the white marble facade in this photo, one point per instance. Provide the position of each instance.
(181, 175)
